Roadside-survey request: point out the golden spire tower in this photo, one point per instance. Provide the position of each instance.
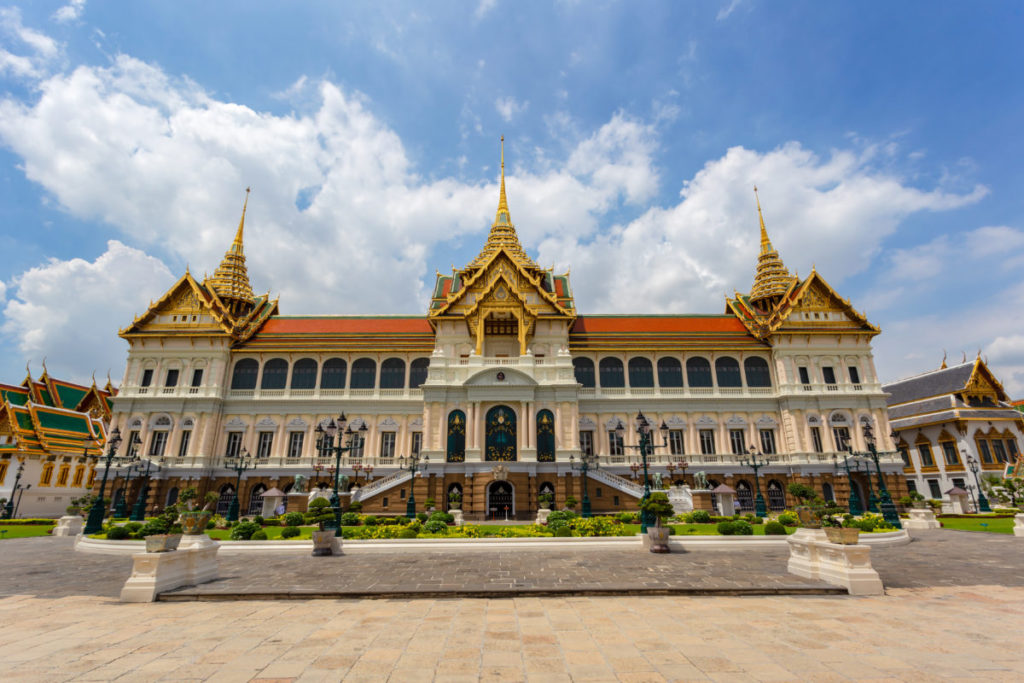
(771, 280)
(503, 232)
(231, 279)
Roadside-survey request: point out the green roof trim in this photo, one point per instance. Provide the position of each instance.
(70, 423)
(70, 397)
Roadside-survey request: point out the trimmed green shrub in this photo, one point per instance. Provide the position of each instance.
(700, 517)
(350, 519)
(132, 527)
(369, 520)
(625, 517)
(290, 532)
(562, 531)
(258, 519)
(118, 533)
(355, 506)
(271, 522)
(390, 521)
(421, 516)
(245, 530)
(260, 535)
(436, 526)
(211, 524)
(742, 528)
(157, 525)
(293, 519)
(408, 532)
(727, 528)
(445, 517)
(788, 518)
(774, 529)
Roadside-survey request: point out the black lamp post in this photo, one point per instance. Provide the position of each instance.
(586, 463)
(325, 447)
(760, 509)
(121, 506)
(983, 505)
(21, 492)
(9, 508)
(94, 523)
(854, 504)
(239, 464)
(872, 498)
(885, 500)
(413, 463)
(139, 509)
(646, 448)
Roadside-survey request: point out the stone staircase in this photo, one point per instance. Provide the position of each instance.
(380, 485)
(627, 486)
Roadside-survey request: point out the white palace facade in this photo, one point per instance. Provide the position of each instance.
(500, 384)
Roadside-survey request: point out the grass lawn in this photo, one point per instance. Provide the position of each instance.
(24, 530)
(699, 529)
(273, 532)
(995, 526)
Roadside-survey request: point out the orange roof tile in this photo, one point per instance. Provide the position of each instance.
(658, 324)
(347, 325)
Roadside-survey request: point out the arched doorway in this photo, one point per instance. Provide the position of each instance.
(712, 485)
(501, 501)
(744, 497)
(227, 492)
(776, 496)
(545, 436)
(500, 429)
(255, 500)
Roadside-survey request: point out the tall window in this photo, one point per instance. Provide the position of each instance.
(79, 476)
(933, 487)
(186, 437)
(675, 442)
(587, 442)
(828, 493)
(842, 437)
(133, 443)
(62, 476)
(545, 436)
(47, 476)
(670, 372)
(197, 377)
(456, 449)
(986, 454)
(737, 442)
(392, 374)
(768, 441)
(584, 369)
(999, 449)
(698, 372)
(332, 375)
(4, 464)
(295, 442)
(387, 444)
(244, 375)
(417, 443)
(234, 445)
(816, 439)
(707, 441)
(304, 374)
(158, 444)
(828, 374)
(364, 373)
(172, 378)
(949, 453)
(757, 372)
(358, 445)
(727, 372)
(275, 374)
(641, 373)
(147, 377)
(905, 455)
(418, 371)
(805, 377)
(854, 375)
(264, 442)
(615, 445)
(611, 373)
(925, 451)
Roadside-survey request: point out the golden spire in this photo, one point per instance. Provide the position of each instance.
(772, 280)
(503, 232)
(231, 279)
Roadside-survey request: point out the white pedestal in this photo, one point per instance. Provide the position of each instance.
(69, 525)
(922, 518)
(542, 516)
(457, 514)
(958, 504)
(1018, 525)
(155, 573)
(849, 566)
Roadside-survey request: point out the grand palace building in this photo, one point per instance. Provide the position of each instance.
(502, 385)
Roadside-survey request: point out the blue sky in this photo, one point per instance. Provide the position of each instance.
(884, 138)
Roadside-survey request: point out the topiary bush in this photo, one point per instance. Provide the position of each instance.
(291, 532)
(774, 529)
(408, 532)
(260, 535)
(436, 526)
(421, 516)
(726, 528)
(133, 527)
(293, 519)
(700, 517)
(562, 531)
(258, 519)
(445, 517)
(118, 533)
(157, 525)
(244, 531)
(743, 528)
(350, 519)
(788, 518)
(370, 520)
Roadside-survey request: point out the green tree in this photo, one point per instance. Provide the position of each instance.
(657, 504)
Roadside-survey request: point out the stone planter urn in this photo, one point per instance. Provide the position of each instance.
(842, 535)
(322, 542)
(455, 505)
(193, 522)
(162, 543)
(808, 519)
(659, 538)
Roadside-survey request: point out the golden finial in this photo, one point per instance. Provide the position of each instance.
(46, 372)
(241, 223)
(943, 366)
(766, 244)
(965, 357)
(231, 279)
(502, 199)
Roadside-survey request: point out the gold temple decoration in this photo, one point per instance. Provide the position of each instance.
(772, 280)
(231, 279)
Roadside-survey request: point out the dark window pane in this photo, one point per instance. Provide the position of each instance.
(333, 374)
(727, 372)
(304, 374)
(392, 374)
(244, 376)
(641, 373)
(418, 372)
(698, 372)
(584, 368)
(611, 373)
(670, 372)
(757, 371)
(364, 373)
(275, 374)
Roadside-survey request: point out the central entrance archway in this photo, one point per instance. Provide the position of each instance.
(500, 430)
(501, 500)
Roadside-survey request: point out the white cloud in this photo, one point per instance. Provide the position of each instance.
(70, 11)
(727, 9)
(483, 8)
(509, 108)
(43, 50)
(69, 311)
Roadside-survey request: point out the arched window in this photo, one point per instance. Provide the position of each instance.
(545, 436)
(449, 503)
(79, 476)
(304, 374)
(611, 373)
(392, 374)
(275, 374)
(456, 451)
(364, 373)
(418, 370)
(727, 372)
(227, 494)
(757, 372)
(47, 475)
(698, 372)
(172, 496)
(745, 498)
(829, 493)
(584, 368)
(670, 372)
(776, 496)
(332, 376)
(244, 376)
(256, 500)
(641, 373)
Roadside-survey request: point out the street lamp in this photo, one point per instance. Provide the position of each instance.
(635, 466)
(752, 462)
(238, 463)
(646, 448)
(413, 463)
(9, 508)
(681, 465)
(325, 447)
(885, 500)
(872, 498)
(94, 523)
(855, 506)
(139, 509)
(120, 508)
(586, 463)
(982, 500)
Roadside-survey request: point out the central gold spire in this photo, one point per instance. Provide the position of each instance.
(503, 232)
(771, 280)
(231, 279)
